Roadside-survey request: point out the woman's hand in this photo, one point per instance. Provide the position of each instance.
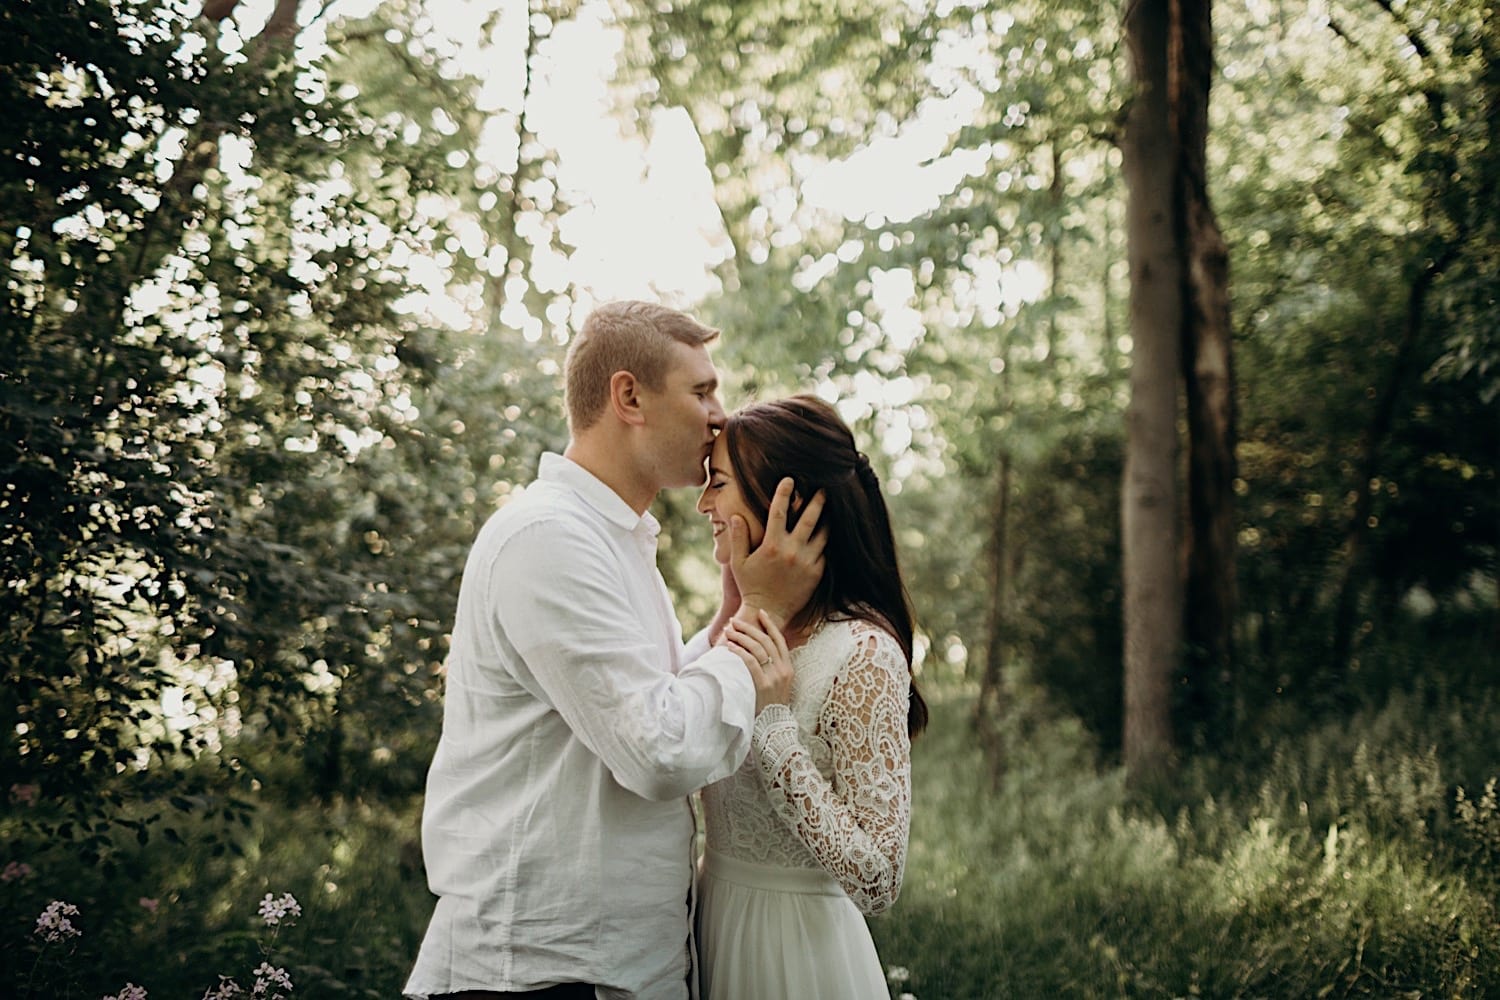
(762, 647)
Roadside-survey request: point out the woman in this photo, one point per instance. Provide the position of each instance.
(810, 833)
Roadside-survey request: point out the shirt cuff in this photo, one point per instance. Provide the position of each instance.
(696, 646)
(736, 689)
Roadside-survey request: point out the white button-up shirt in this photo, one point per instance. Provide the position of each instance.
(556, 830)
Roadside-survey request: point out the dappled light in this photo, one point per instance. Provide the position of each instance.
(1188, 437)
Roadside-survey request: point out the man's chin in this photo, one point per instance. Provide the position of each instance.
(695, 480)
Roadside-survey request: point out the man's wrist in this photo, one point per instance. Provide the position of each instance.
(750, 611)
(716, 627)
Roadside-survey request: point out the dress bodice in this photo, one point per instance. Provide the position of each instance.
(827, 782)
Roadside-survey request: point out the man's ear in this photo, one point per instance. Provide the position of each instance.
(625, 398)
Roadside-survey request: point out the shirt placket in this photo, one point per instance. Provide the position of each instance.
(667, 620)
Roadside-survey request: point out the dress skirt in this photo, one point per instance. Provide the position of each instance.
(772, 933)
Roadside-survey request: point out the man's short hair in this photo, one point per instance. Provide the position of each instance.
(629, 336)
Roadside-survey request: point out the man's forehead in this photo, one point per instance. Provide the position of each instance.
(694, 366)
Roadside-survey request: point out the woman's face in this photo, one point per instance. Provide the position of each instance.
(722, 499)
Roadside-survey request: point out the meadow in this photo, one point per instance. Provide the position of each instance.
(1356, 858)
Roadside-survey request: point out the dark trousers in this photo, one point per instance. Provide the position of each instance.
(562, 991)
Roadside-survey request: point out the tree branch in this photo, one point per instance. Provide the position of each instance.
(218, 10)
(283, 22)
(1406, 29)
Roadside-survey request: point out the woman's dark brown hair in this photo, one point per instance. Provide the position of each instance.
(804, 438)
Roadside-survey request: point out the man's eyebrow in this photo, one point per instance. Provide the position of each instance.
(708, 383)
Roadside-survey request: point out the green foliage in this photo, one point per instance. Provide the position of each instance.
(1355, 860)
(1058, 883)
(244, 457)
(174, 920)
(114, 551)
(1360, 253)
(242, 468)
(1348, 250)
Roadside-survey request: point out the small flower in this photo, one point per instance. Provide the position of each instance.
(130, 992)
(267, 975)
(227, 989)
(15, 871)
(897, 974)
(273, 911)
(148, 904)
(54, 924)
(24, 795)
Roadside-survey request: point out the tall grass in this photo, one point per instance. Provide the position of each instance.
(352, 866)
(1348, 865)
(1354, 859)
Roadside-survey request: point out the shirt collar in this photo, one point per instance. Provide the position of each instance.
(559, 469)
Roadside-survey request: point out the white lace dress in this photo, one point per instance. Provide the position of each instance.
(810, 834)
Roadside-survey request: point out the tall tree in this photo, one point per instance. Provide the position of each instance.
(1208, 378)
(1149, 501)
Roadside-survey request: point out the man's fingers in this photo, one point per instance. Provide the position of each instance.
(814, 546)
(811, 513)
(739, 541)
(781, 503)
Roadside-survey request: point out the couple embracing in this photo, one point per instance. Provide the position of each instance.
(559, 822)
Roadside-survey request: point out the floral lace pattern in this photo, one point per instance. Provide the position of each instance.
(827, 783)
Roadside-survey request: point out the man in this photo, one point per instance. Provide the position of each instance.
(557, 831)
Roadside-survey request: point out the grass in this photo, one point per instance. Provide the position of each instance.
(1357, 859)
(1333, 871)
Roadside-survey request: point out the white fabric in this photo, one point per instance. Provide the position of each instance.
(772, 933)
(556, 830)
(823, 800)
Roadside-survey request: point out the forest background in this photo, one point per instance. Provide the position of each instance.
(288, 286)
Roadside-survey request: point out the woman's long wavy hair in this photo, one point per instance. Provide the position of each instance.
(804, 438)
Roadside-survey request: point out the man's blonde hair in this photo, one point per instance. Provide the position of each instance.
(628, 336)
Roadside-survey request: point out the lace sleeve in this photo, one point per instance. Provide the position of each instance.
(856, 824)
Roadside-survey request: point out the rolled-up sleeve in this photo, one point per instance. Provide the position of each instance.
(576, 627)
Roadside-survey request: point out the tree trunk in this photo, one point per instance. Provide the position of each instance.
(1208, 377)
(1055, 212)
(989, 707)
(1149, 515)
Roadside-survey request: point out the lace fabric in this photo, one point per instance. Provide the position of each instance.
(827, 783)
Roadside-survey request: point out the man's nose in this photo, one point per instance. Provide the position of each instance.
(716, 415)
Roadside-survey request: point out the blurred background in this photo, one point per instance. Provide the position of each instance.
(1194, 477)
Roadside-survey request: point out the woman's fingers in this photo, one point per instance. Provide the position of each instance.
(755, 642)
(768, 662)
